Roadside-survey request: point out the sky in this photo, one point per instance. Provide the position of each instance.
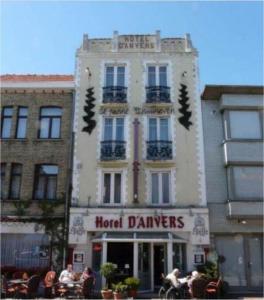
(41, 37)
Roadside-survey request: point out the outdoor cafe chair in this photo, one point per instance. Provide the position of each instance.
(30, 289)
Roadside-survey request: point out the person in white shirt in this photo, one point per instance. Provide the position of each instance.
(67, 275)
(174, 278)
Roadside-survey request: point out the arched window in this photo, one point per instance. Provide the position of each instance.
(15, 181)
(45, 182)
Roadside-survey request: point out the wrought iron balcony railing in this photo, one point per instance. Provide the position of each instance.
(114, 94)
(113, 150)
(159, 150)
(158, 94)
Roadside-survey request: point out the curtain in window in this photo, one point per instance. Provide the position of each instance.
(121, 76)
(119, 129)
(151, 76)
(7, 113)
(108, 129)
(15, 184)
(163, 76)
(165, 188)
(22, 122)
(25, 250)
(40, 190)
(109, 81)
(44, 127)
(153, 129)
(155, 188)
(51, 187)
(164, 129)
(55, 127)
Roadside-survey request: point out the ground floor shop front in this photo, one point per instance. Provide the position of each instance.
(240, 257)
(143, 243)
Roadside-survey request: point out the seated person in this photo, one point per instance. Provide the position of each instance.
(174, 278)
(67, 275)
(88, 273)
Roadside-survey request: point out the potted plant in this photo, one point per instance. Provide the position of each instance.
(132, 286)
(119, 290)
(107, 270)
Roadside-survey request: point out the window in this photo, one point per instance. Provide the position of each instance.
(6, 124)
(3, 172)
(157, 76)
(50, 122)
(115, 76)
(15, 181)
(114, 129)
(245, 124)
(247, 182)
(158, 129)
(21, 122)
(112, 188)
(160, 188)
(46, 182)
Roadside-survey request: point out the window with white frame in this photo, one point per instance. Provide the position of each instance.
(115, 75)
(112, 187)
(157, 75)
(247, 182)
(113, 129)
(160, 187)
(245, 124)
(159, 129)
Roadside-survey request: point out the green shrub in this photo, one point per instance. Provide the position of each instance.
(132, 283)
(108, 270)
(119, 287)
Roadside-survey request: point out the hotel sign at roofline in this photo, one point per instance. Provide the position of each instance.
(135, 43)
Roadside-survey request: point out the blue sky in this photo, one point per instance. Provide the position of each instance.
(41, 37)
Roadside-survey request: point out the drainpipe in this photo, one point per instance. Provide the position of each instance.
(68, 189)
(135, 163)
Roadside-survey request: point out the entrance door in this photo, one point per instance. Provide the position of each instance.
(242, 266)
(121, 254)
(144, 271)
(160, 262)
(254, 261)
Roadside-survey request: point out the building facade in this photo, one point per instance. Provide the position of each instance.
(139, 197)
(36, 138)
(233, 139)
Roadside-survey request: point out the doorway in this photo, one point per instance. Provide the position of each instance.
(160, 262)
(121, 254)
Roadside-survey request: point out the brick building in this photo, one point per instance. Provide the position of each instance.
(35, 167)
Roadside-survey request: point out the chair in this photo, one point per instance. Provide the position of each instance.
(198, 288)
(213, 289)
(30, 289)
(86, 289)
(49, 283)
(166, 284)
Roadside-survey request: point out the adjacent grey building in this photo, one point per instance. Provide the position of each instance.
(233, 140)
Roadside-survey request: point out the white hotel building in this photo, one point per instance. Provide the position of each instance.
(139, 197)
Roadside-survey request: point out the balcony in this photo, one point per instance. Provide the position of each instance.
(114, 94)
(159, 150)
(113, 150)
(157, 94)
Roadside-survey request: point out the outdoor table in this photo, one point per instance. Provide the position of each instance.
(71, 286)
(17, 281)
